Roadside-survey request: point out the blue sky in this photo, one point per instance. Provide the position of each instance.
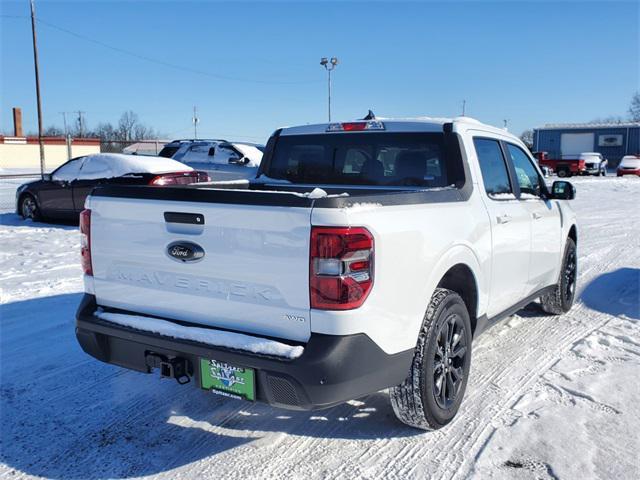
(528, 62)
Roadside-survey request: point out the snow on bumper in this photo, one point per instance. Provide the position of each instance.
(330, 369)
(208, 336)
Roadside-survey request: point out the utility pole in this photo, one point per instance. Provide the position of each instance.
(80, 123)
(329, 65)
(64, 122)
(35, 63)
(195, 121)
(506, 121)
(464, 107)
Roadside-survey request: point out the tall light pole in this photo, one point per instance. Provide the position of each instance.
(195, 121)
(329, 65)
(35, 63)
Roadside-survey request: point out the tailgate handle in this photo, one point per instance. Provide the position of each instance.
(180, 217)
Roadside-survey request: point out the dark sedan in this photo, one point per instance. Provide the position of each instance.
(61, 194)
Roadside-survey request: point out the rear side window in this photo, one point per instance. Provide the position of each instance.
(168, 152)
(494, 169)
(526, 173)
(386, 159)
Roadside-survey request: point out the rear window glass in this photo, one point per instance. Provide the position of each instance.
(168, 152)
(385, 159)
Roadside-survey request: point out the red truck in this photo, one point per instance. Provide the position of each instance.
(589, 163)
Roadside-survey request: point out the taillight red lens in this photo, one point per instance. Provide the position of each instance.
(354, 126)
(179, 178)
(341, 267)
(203, 177)
(85, 242)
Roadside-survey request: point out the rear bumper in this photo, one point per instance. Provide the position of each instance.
(332, 369)
(622, 172)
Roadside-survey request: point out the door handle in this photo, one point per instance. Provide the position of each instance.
(536, 215)
(503, 218)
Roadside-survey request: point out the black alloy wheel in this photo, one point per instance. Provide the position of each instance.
(29, 208)
(449, 361)
(570, 270)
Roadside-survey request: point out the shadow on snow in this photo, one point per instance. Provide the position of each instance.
(64, 414)
(616, 293)
(15, 220)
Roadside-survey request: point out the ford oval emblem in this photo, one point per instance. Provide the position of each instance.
(185, 251)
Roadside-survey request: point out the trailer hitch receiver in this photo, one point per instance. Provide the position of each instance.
(174, 367)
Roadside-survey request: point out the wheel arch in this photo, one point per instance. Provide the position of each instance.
(21, 198)
(461, 279)
(573, 234)
(459, 270)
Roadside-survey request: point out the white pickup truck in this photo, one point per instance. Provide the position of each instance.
(366, 255)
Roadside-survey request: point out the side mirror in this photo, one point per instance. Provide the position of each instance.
(562, 190)
(62, 183)
(238, 160)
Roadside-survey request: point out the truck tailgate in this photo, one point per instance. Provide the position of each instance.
(253, 277)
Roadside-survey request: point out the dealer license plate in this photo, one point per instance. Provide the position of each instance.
(227, 379)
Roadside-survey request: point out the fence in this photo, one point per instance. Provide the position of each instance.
(135, 147)
(8, 186)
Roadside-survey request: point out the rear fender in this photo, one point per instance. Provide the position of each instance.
(456, 255)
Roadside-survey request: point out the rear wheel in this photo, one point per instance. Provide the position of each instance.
(29, 208)
(563, 172)
(560, 300)
(431, 395)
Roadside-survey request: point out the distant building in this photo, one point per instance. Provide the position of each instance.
(20, 153)
(612, 140)
(23, 153)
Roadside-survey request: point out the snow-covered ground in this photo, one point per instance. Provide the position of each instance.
(549, 397)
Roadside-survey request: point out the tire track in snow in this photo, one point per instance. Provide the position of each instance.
(133, 425)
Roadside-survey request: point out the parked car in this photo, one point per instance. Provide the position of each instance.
(223, 160)
(629, 165)
(594, 163)
(61, 194)
(366, 255)
(586, 163)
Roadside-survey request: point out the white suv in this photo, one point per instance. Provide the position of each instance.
(366, 255)
(594, 162)
(221, 159)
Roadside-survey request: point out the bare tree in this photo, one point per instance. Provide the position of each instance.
(608, 119)
(104, 131)
(53, 131)
(634, 108)
(126, 126)
(527, 138)
(128, 129)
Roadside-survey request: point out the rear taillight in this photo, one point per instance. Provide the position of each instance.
(179, 178)
(85, 241)
(203, 177)
(341, 267)
(355, 126)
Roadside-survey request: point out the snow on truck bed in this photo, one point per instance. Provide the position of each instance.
(548, 397)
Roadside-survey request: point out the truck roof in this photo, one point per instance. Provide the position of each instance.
(411, 124)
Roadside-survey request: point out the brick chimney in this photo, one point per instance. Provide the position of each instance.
(17, 122)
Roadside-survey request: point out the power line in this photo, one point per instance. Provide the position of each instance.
(162, 62)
